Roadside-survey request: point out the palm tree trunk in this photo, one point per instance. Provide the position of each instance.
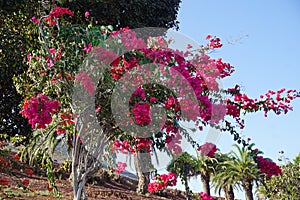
(229, 194)
(142, 162)
(186, 185)
(247, 186)
(205, 178)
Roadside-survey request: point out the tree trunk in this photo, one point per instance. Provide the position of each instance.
(229, 194)
(186, 185)
(205, 178)
(79, 190)
(142, 162)
(78, 179)
(247, 186)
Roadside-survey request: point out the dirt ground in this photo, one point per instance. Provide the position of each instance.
(102, 186)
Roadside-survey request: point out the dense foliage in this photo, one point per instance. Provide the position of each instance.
(88, 86)
(18, 38)
(285, 186)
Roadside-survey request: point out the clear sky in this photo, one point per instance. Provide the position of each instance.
(265, 53)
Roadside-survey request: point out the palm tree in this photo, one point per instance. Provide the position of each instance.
(205, 167)
(242, 169)
(220, 178)
(184, 166)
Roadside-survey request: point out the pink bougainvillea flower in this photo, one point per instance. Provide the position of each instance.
(141, 112)
(88, 48)
(208, 37)
(120, 167)
(124, 147)
(207, 149)
(50, 63)
(173, 143)
(29, 56)
(86, 14)
(56, 13)
(205, 196)
(143, 143)
(86, 81)
(35, 20)
(162, 181)
(268, 167)
(139, 92)
(98, 109)
(38, 110)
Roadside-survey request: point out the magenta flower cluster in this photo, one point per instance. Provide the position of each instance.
(208, 149)
(268, 167)
(120, 167)
(141, 113)
(205, 196)
(38, 110)
(162, 181)
(86, 81)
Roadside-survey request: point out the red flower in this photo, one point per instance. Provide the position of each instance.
(16, 157)
(4, 181)
(205, 196)
(143, 143)
(208, 37)
(60, 131)
(38, 110)
(68, 119)
(120, 167)
(214, 43)
(29, 171)
(86, 81)
(268, 167)
(88, 48)
(49, 187)
(232, 110)
(141, 112)
(208, 149)
(162, 181)
(25, 182)
(56, 13)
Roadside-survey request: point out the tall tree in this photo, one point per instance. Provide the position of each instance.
(221, 179)
(205, 167)
(132, 13)
(18, 38)
(184, 166)
(206, 164)
(242, 169)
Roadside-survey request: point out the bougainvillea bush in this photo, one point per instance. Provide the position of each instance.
(162, 181)
(138, 75)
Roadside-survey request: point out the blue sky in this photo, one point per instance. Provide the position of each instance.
(261, 39)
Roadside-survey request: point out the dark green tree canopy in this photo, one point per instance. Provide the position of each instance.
(17, 39)
(131, 13)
